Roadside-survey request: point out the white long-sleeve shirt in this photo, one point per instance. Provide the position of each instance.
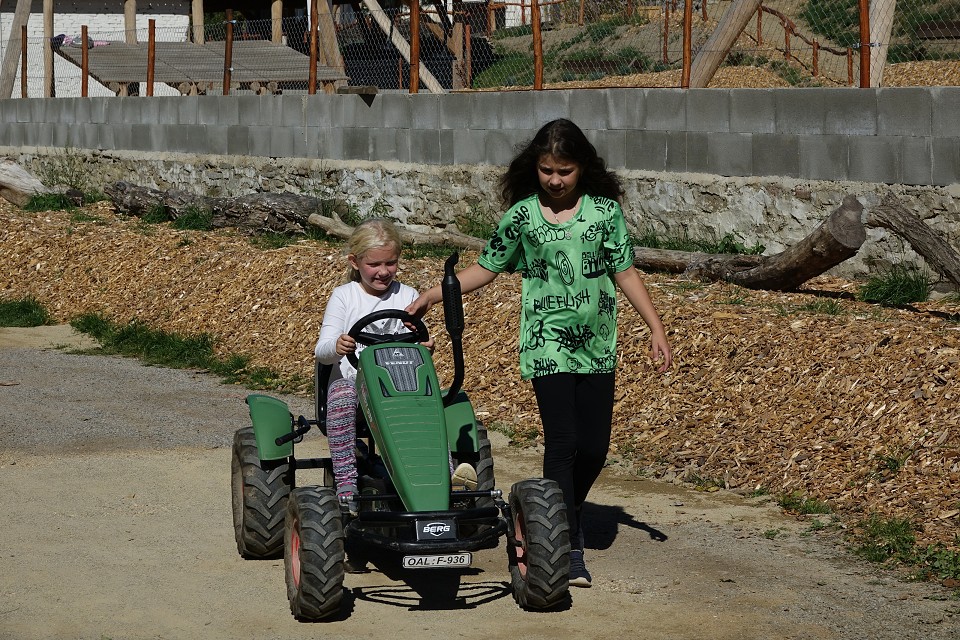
(348, 303)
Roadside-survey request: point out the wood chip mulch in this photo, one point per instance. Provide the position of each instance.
(811, 392)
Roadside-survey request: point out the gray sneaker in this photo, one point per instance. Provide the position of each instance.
(464, 478)
(579, 576)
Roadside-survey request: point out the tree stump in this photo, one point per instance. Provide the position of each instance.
(17, 185)
(836, 239)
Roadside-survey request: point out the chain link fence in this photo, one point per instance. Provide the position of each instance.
(495, 45)
(801, 43)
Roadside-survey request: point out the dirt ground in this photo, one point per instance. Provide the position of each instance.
(117, 525)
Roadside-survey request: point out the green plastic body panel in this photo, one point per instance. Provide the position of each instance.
(461, 426)
(271, 419)
(408, 425)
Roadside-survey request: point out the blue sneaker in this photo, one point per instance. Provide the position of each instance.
(579, 576)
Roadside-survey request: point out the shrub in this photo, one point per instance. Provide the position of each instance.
(899, 285)
(23, 312)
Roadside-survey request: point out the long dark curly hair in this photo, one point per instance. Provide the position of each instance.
(564, 140)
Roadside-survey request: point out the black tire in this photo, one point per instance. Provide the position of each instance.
(259, 497)
(483, 465)
(314, 553)
(485, 478)
(539, 550)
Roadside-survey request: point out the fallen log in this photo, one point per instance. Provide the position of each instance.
(837, 238)
(694, 264)
(336, 228)
(890, 214)
(833, 241)
(17, 185)
(263, 212)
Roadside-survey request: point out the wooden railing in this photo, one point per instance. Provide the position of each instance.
(789, 31)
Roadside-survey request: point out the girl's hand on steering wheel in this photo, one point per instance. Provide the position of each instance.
(346, 345)
(429, 345)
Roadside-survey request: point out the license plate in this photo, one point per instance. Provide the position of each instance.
(443, 561)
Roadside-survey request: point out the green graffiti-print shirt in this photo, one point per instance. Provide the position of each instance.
(569, 318)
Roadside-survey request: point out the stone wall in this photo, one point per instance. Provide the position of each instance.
(774, 213)
(764, 166)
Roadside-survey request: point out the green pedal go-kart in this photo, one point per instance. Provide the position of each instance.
(408, 429)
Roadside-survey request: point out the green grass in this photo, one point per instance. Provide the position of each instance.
(82, 217)
(178, 351)
(727, 244)
(886, 539)
(194, 219)
(479, 223)
(23, 312)
(704, 483)
(825, 306)
(49, 202)
(509, 69)
(157, 214)
(893, 541)
(937, 561)
(796, 502)
(898, 286)
(520, 435)
(438, 251)
(271, 240)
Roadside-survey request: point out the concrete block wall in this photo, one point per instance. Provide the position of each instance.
(895, 136)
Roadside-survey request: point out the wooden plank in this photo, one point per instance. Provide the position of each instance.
(939, 30)
(177, 62)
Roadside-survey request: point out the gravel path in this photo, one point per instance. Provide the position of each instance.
(117, 525)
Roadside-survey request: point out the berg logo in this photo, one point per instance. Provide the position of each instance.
(436, 528)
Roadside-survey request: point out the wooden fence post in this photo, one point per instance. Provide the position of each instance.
(314, 43)
(84, 61)
(151, 54)
(228, 55)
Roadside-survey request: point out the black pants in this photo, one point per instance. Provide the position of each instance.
(576, 410)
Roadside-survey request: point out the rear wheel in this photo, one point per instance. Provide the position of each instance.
(259, 496)
(485, 482)
(485, 478)
(539, 550)
(314, 554)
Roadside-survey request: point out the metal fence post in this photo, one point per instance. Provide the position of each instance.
(414, 46)
(23, 61)
(537, 45)
(864, 44)
(687, 44)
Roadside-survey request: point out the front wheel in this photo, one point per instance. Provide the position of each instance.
(259, 497)
(314, 556)
(539, 550)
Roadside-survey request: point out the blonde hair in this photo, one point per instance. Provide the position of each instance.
(370, 234)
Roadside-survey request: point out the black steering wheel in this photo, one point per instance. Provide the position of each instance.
(419, 334)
